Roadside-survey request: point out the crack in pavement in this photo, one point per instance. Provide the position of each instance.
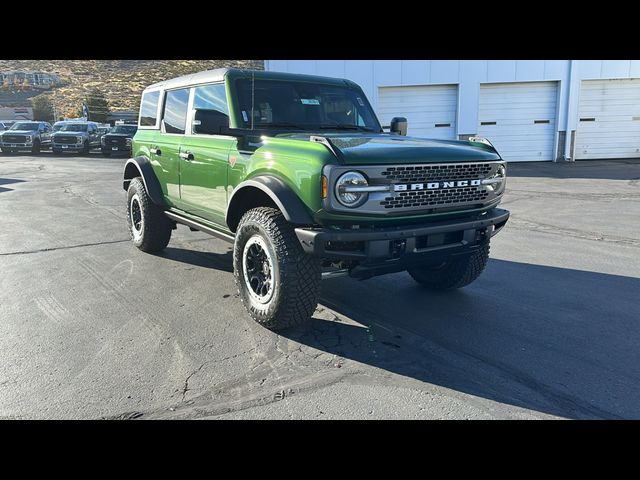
(66, 247)
(526, 224)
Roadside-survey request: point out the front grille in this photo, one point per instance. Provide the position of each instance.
(14, 138)
(428, 198)
(66, 139)
(422, 188)
(423, 173)
(116, 141)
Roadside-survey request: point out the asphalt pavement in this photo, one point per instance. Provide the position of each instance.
(90, 327)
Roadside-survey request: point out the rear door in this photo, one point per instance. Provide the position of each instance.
(204, 154)
(166, 147)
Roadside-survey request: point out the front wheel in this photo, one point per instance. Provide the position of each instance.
(36, 148)
(278, 283)
(453, 273)
(149, 227)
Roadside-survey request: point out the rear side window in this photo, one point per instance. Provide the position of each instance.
(149, 109)
(175, 111)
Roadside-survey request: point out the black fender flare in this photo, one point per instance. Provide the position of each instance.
(293, 209)
(141, 167)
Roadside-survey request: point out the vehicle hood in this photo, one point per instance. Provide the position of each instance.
(21, 132)
(69, 133)
(367, 149)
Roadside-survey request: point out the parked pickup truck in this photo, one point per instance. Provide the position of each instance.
(27, 135)
(118, 140)
(298, 173)
(76, 137)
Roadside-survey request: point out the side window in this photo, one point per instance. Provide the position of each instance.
(148, 109)
(212, 111)
(211, 97)
(175, 110)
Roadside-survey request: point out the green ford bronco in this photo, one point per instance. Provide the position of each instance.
(298, 173)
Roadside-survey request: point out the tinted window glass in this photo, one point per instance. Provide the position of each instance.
(149, 108)
(175, 110)
(210, 101)
(211, 97)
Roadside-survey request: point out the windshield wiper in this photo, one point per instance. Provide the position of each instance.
(346, 126)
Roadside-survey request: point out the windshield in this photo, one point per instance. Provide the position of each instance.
(25, 126)
(74, 127)
(130, 129)
(304, 106)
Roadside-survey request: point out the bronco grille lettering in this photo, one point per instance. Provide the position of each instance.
(403, 187)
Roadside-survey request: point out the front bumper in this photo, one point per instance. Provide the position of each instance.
(16, 146)
(72, 147)
(395, 248)
(116, 149)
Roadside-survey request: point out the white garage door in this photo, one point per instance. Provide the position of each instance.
(519, 119)
(430, 110)
(608, 119)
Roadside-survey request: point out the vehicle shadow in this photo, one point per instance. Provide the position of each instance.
(622, 169)
(555, 340)
(8, 181)
(558, 341)
(217, 261)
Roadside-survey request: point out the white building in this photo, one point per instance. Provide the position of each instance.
(529, 109)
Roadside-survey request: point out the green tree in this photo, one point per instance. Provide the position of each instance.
(42, 108)
(98, 106)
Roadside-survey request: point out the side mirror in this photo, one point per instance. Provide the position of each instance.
(209, 122)
(399, 125)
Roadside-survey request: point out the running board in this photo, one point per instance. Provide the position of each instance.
(189, 222)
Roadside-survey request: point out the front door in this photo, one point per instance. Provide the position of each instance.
(203, 176)
(204, 156)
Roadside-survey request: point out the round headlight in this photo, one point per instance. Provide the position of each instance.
(344, 193)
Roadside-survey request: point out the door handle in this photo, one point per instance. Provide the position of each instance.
(188, 156)
(155, 151)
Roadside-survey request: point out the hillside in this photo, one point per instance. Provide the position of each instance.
(122, 81)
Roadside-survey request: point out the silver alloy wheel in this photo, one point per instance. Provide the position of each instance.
(258, 269)
(137, 220)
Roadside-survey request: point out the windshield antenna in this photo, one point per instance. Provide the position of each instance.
(253, 94)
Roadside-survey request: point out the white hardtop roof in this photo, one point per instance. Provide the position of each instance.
(207, 76)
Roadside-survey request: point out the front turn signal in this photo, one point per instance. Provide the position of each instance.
(325, 188)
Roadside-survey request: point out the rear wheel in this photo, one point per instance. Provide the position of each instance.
(149, 228)
(278, 283)
(456, 272)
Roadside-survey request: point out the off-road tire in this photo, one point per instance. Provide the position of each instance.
(155, 229)
(456, 272)
(296, 278)
(36, 147)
